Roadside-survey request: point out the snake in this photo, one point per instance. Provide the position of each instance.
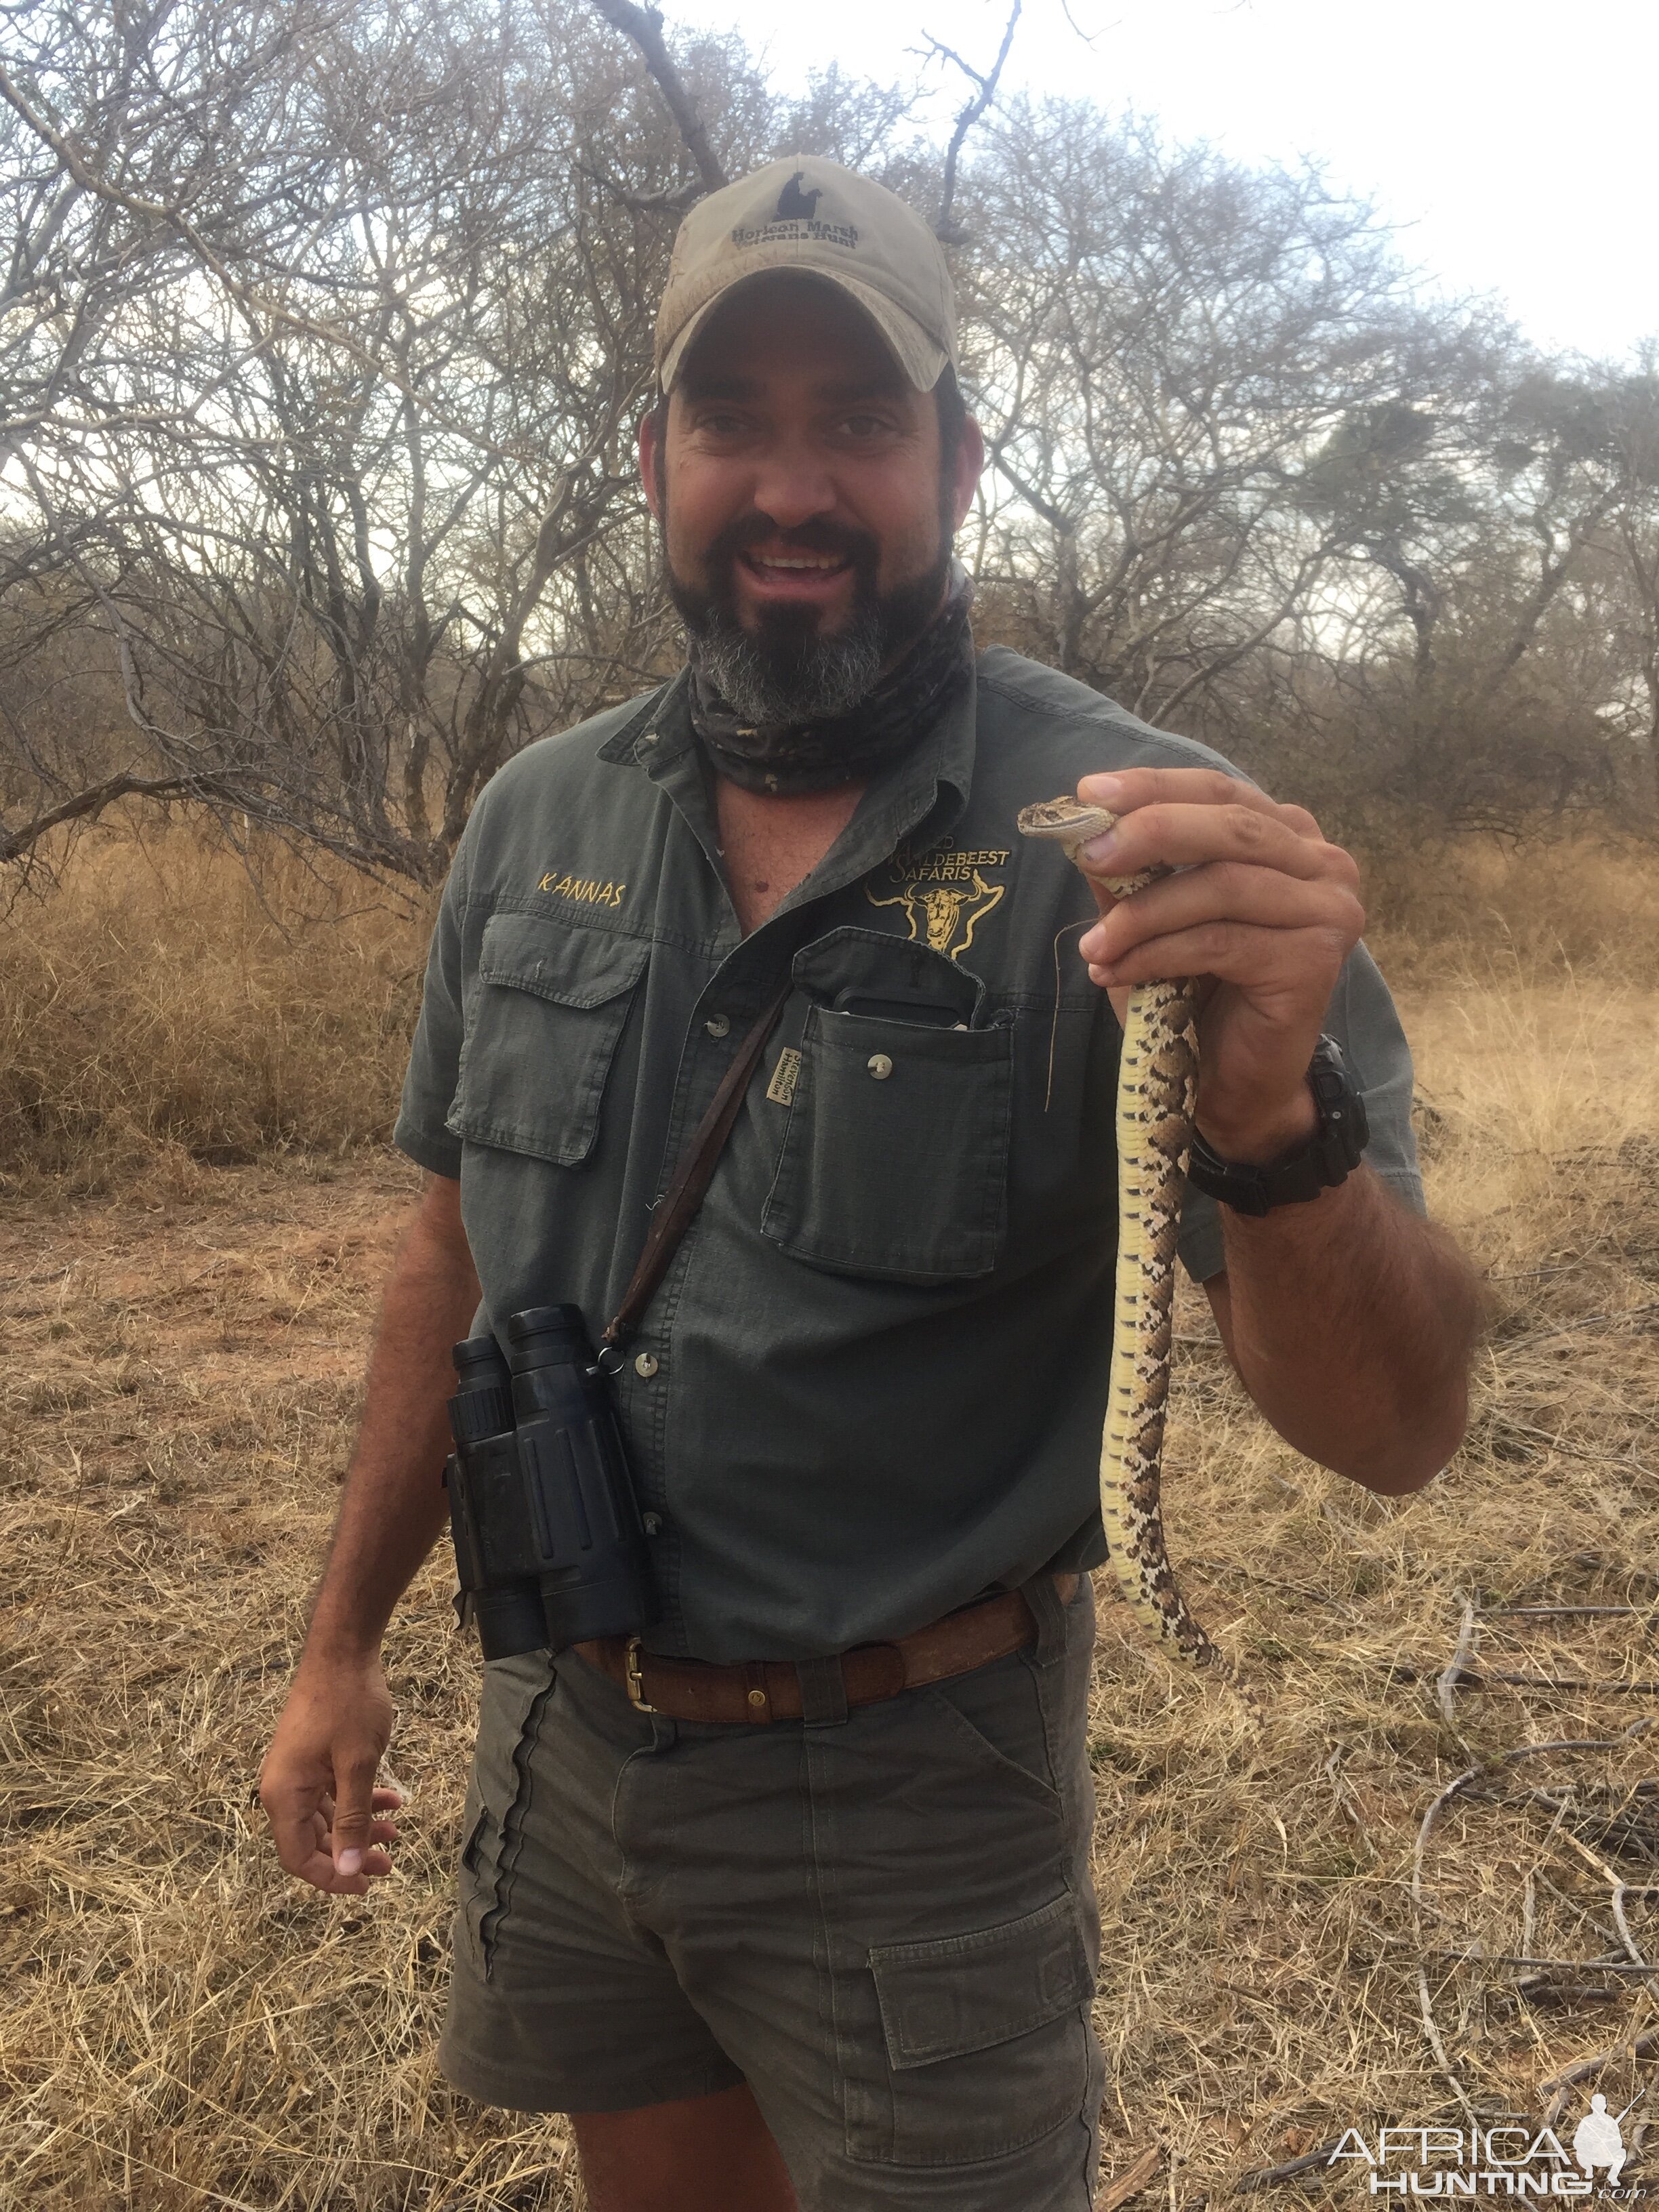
(1156, 1090)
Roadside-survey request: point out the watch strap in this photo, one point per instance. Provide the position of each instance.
(1323, 1162)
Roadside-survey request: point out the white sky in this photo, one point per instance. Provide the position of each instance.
(1514, 143)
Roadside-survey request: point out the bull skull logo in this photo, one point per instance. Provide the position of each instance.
(936, 912)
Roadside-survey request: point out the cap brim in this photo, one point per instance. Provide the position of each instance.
(921, 359)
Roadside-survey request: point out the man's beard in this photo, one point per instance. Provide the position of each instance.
(786, 672)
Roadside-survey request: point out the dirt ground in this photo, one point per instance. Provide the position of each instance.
(181, 2026)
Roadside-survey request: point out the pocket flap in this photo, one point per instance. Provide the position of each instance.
(573, 967)
(868, 961)
(962, 1993)
(541, 1034)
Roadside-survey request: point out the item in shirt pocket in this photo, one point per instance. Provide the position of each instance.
(899, 1006)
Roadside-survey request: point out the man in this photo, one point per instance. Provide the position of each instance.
(774, 1925)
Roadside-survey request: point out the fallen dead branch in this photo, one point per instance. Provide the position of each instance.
(1131, 2181)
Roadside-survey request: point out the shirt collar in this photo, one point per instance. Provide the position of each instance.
(919, 799)
(659, 720)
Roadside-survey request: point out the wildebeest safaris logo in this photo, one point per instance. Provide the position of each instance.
(944, 892)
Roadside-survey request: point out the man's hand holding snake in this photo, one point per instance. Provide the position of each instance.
(1263, 907)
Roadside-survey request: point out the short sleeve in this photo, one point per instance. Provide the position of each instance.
(1363, 1019)
(435, 1057)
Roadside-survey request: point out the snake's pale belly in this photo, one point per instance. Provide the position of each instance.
(1158, 1085)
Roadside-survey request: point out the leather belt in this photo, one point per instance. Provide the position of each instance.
(762, 1690)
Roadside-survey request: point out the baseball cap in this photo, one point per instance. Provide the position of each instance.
(814, 215)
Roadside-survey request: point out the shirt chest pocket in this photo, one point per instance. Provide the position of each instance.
(541, 1031)
(894, 1160)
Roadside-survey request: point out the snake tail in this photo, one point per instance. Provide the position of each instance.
(1158, 1083)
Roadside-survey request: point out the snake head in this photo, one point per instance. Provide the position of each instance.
(1064, 821)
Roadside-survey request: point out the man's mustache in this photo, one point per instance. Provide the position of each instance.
(815, 536)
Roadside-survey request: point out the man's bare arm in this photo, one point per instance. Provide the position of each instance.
(1350, 1321)
(317, 1783)
(393, 1505)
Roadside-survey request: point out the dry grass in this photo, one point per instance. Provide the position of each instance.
(1573, 905)
(169, 1009)
(184, 2028)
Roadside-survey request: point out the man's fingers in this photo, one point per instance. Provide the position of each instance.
(381, 1801)
(320, 1871)
(1253, 958)
(1182, 835)
(380, 1830)
(354, 1785)
(1225, 891)
(335, 1847)
(303, 1846)
(328, 1820)
(297, 1825)
(1125, 789)
(1301, 820)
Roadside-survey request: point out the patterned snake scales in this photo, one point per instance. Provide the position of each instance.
(1158, 1085)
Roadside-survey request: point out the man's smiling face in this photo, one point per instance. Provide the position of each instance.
(806, 514)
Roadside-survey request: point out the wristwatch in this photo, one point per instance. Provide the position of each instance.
(1328, 1158)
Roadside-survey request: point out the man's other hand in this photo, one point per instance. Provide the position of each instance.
(318, 1781)
(317, 1785)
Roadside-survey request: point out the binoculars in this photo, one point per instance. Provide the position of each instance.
(549, 1549)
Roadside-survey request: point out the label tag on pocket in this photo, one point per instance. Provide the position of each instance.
(782, 1089)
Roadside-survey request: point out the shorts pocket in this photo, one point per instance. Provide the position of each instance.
(541, 1031)
(985, 2035)
(513, 1691)
(476, 1876)
(995, 1716)
(895, 1161)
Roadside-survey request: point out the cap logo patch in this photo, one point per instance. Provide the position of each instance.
(795, 205)
(795, 220)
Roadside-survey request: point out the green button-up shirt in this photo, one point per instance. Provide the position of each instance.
(874, 1379)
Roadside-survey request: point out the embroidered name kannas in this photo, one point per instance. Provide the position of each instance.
(586, 889)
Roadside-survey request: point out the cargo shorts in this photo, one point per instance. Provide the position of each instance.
(881, 1920)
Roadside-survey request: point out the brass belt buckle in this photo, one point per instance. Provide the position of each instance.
(631, 1675)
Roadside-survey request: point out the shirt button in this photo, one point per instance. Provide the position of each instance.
(652, 1523)
(719, 1025)
(646, 1365)
(879, 1065)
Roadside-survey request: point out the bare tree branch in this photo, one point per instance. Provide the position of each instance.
(255, 305)
(86, 804)
(644, 27)
(944, 223)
